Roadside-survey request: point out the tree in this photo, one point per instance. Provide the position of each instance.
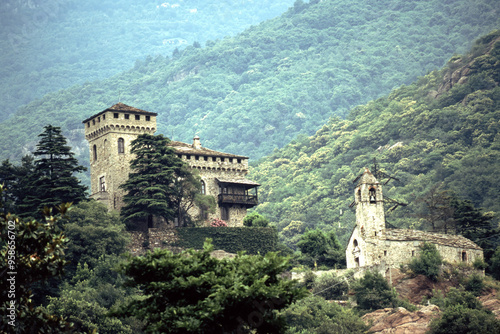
(31, 252)
(322, 248)
(495, 264)
(192, 292)
(428, 263)
(372, 292)
(53, 181)
(314, 314)
(155, 169)
(256, 220)
(438, 211)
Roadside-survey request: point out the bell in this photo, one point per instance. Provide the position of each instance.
(372, 198)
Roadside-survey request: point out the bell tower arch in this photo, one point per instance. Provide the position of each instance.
(110, 133)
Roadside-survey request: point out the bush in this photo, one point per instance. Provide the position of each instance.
(475, 285)
(315, 315)
(373, 292)
(331, 287)
(495, 264)
(309, 279)
(479, 264)
(255, 220)
(458, 319)
(428, 263)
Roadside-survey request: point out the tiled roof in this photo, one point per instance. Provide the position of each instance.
(238, 181)
(183, 148)
(451, 240)
(123, 108)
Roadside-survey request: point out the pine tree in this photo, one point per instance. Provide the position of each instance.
(52, 182)
(151, 188)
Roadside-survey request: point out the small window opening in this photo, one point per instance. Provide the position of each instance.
(93, 122)
(137, 117)
(464, 256)
(99, 119)
(224, 213)
(102, 183)
(355, 243)
(115, 115)
(373, 198)
(103, 117)
(127, 116)
(196, 157)
(230, 160)
(239, 161)
(188, 157)
(359, 195)
(375, 233)
(413, 253)
(385, 253)
(148, 118)
(88, 124)
(205, 158)
(94, 149)
(214, 159)
(121, 145)
(356, 261)
(203, 188)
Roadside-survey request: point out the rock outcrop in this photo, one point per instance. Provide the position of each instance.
(401, 321)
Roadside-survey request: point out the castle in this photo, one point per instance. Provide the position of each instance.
(110, 133)
(372, 244)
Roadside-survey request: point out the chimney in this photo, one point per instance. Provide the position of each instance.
(196, 142)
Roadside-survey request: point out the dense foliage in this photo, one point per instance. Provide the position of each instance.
(373, 292)
(258, 240)
(192, 292)
(315, 315)
(428, 263)
(55, 44)
(273, 81)
(425, 134)
(321, 249)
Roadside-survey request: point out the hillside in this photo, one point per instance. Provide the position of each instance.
(442, 130)
(257, 91)
(51, 45)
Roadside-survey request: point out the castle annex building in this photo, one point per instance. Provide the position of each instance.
(110, 134)
(371, 243)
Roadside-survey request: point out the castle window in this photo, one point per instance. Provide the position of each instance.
(464, 256)
(121, 145)
(224, 213)
(137, 117)
(373, 198)
(205, 158)
(385, 253)
(412, 253)
(88, 124)
(102, 183)
(94, 150)
(103, 117)
(93, 122)
(239, 161)
(127, 116)
(196, 157)
(203, 188)
(148, 118)
(359, 195)
(99, 119)
(222, 159)
(188, 157)
(230, 160)
(214, 159)
(115, 115)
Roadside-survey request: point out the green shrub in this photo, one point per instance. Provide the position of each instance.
(495, 264)
(428, 263)
(331, 287)
(372, 292)
(309, 279)
(255, 220)
(479, 264)
(315, 315)
(458, 319)
(475, 284)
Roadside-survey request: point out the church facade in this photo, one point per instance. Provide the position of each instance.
(371, 243)
(110, 133)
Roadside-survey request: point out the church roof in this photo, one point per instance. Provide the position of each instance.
(450, 240)
(366, 178)
(123, 108)
(184, 148)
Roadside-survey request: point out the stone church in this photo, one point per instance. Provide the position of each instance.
(372, 243)
(110, 133)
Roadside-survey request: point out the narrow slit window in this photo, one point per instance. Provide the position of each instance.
(121, 145)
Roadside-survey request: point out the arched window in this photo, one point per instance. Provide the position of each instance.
(373, 198)
(121, 145)
(359, 195)
(94, 149)
(203, 188)
(355, 243)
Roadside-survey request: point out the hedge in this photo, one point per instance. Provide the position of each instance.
(253, 240)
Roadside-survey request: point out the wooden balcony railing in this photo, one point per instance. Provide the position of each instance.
(249, 200)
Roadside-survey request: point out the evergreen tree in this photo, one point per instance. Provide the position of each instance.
(154, 185)
(52, 181)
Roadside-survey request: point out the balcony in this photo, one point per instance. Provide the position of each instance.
(247, 200)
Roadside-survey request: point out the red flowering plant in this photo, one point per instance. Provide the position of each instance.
(218, 223)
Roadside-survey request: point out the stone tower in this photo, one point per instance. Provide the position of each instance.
(109, 134)
(365, 245)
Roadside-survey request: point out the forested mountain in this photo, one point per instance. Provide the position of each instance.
(255, 92)
(50, 45)
(440, 137)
